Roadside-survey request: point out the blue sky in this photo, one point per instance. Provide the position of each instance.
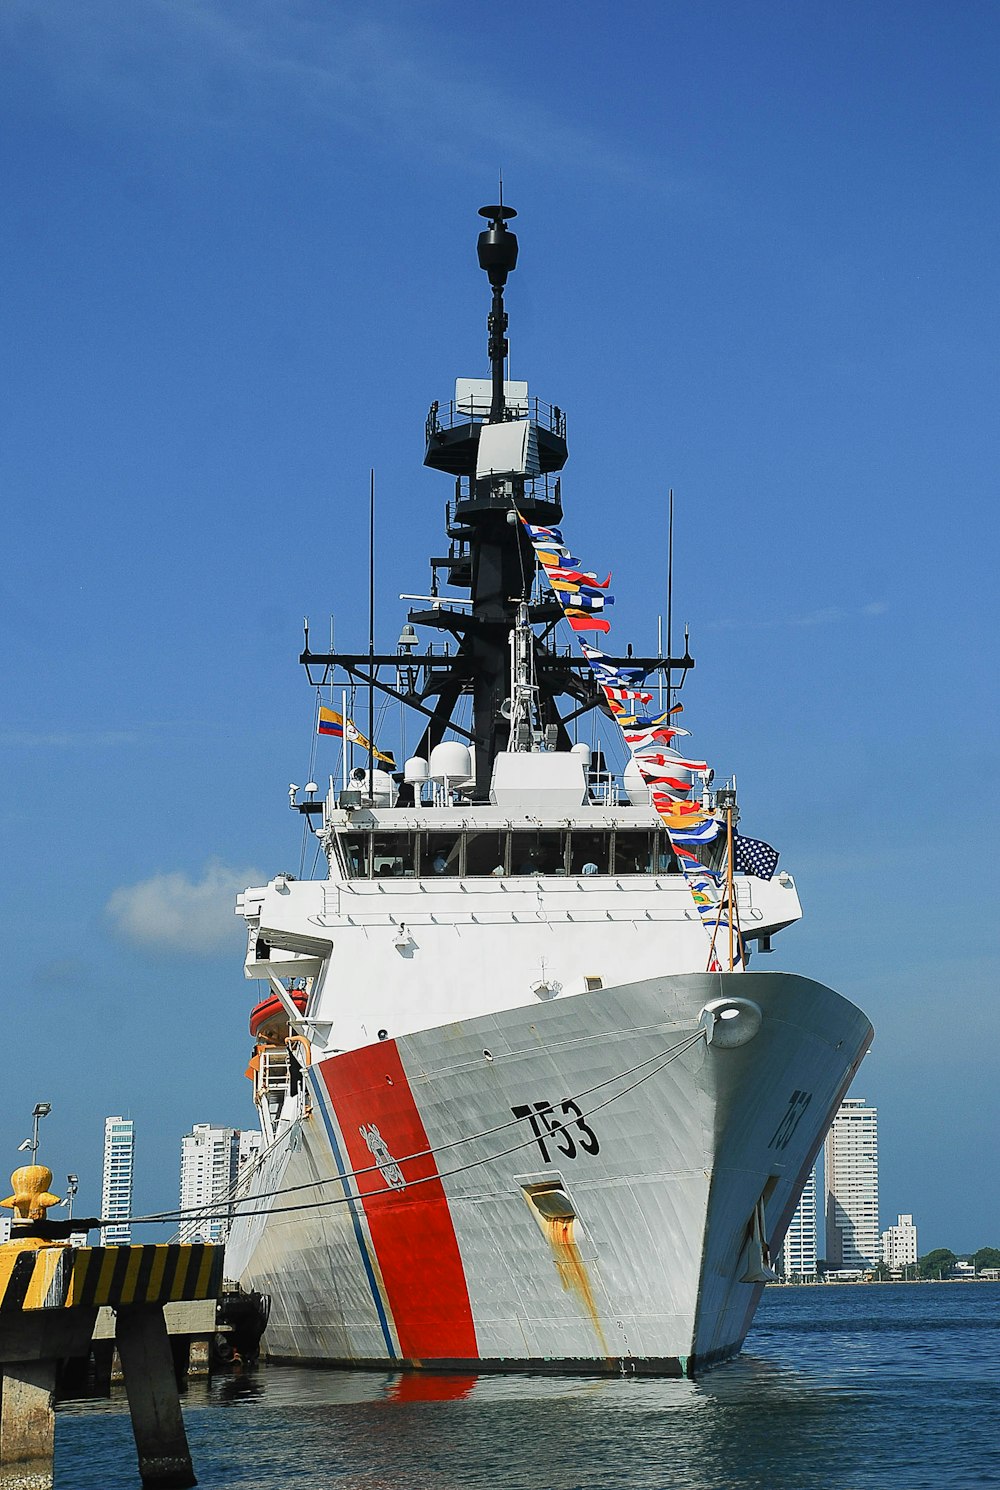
(758, 249)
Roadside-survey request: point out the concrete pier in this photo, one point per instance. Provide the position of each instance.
(50, 1294)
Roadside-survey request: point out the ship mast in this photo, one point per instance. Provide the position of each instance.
(490, 552)
(504, 451)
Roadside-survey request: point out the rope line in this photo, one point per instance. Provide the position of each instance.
(663, 1058)
(445, 1174)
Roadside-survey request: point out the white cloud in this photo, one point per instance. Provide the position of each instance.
(383, 75)
(68, 739)
(171, 912)
(834, 613)
(829, 615)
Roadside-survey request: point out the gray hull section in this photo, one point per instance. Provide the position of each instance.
(683, 1160)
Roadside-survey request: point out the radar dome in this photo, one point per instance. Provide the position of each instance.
(635, 788)
(451, 760)
(377, 787)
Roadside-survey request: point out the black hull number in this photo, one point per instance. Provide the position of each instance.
(794, 1112)
(548, 1129)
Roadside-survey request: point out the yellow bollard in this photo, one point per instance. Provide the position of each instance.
(30, 1349)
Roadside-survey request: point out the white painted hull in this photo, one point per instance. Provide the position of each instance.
(456, 1269)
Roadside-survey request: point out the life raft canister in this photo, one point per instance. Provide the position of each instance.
(272, 1008)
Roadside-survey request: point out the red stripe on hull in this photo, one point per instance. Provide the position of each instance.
(411, 1229)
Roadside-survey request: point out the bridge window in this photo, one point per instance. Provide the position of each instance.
(486, 853)
(394, 855)
(356, 850)
(494, 851)
(540, 852)
(589, 853)
(634, 853)
(441, 854)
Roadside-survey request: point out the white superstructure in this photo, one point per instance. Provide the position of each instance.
(116, 1190)
(853, 1238)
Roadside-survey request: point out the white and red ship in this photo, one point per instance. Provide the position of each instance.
(526, 1102)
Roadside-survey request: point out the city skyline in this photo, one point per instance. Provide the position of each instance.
(850, 1191)
(212, 1157)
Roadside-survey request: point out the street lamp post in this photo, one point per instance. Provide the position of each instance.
(72, 1185)
(40, 1110)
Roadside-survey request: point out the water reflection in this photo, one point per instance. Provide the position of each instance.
(749, 1425)
(811, 1408)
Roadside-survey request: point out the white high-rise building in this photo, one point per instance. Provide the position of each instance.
(853, 1239)
(899, 1244)
(251, 1143)
(211, 1159)
(116, 1190)
(798, 1250)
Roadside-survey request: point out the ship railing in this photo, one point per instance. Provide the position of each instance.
(544, 488)
(443, 416)
(459, 547)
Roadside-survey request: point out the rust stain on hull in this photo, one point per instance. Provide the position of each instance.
(572, 1269)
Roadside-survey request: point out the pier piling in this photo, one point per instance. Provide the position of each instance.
(27, 1425)
(153, 1402)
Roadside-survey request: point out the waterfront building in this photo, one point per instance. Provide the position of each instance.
(116, 1189)
(853, 1239)
(5, 1221)
(251, 1143)
(797, 1258)
(211, 1159)
(899, 1244)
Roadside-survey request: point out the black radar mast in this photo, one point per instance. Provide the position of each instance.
(497, 481)
(498, 257)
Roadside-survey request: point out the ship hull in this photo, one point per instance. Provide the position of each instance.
(584, 1185)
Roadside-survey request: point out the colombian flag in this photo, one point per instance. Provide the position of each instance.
(330, 723)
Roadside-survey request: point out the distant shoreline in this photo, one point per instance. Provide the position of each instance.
(868, 1282)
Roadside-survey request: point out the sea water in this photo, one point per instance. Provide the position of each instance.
(839, 1388)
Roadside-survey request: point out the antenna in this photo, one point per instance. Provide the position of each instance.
(497, 250)
(371, 633)
(670, 592)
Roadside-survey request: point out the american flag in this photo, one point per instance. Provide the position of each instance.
(754, 856)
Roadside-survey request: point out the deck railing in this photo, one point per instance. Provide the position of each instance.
(443, 416)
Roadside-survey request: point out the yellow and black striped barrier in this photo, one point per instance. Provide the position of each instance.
(50, 1293)
(60, 1277)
